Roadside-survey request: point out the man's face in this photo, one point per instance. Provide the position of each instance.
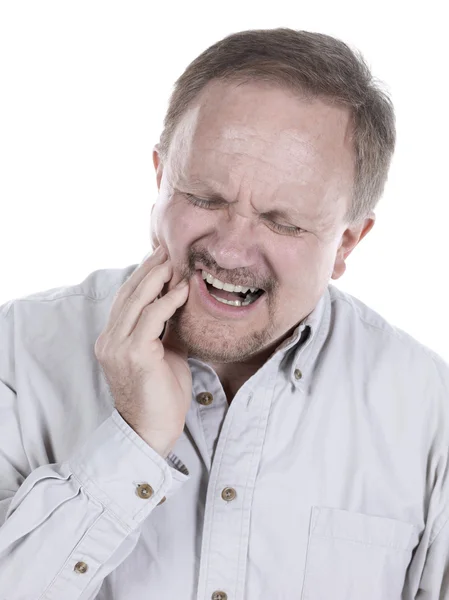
(278, 174)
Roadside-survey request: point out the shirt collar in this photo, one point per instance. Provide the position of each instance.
(299, 351)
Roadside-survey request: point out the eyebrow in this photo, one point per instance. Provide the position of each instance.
(204, 189)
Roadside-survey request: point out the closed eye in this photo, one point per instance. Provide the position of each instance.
(286, 229)
(199, 201)
(213, 205)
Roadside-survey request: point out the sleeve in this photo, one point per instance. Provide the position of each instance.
(434, 584)
(65, 526)
(70, 524)
(429, 569)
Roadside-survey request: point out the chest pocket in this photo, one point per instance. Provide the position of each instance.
(353, 556)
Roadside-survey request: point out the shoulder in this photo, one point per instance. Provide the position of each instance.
(388, 350)
(57, 317)
(353, 314)
(98, 286)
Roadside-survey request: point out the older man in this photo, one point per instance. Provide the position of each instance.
(219, 422)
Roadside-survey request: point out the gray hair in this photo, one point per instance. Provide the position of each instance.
(313, 64)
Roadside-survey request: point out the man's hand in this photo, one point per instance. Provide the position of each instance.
(151, 384)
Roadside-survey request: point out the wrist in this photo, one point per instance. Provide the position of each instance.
(160, 444)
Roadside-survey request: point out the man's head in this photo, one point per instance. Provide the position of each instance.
(275, 151)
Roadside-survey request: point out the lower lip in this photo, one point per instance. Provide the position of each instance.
(224, 310)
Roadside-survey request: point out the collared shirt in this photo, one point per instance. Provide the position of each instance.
(326, 478)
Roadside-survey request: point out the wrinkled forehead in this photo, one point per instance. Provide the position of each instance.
(264, 128)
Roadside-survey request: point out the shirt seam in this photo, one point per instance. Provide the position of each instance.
(140, 443)
(90, 493)
(262, 426)
(61, 297)
(61, 570)
(393, 332)
(361, 542)
(445, 518)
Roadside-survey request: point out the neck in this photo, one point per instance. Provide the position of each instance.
(233, 375)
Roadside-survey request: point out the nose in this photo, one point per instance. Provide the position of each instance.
(234, 244)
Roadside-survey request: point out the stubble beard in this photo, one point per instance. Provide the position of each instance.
(213, 341)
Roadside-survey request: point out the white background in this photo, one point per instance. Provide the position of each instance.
(83, 91)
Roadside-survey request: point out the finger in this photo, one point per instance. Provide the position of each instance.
(158, 257)
(154, 316)
(144, 294)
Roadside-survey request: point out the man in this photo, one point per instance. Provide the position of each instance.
(220, 422)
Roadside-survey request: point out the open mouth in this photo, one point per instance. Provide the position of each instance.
(235, 303)
(227, 293)
(233, 298)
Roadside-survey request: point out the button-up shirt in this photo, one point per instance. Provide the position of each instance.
(326, 478)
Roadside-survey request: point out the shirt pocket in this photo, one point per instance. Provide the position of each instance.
(354, 556)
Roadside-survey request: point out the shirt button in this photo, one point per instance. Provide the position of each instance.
(228, 494)
(219, 596)
(163, 500)
(298, 374)
(144, 490)
(80, 567)
(205, 398)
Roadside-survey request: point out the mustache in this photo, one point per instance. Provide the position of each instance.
(234, 277)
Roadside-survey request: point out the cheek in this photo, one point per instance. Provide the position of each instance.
(178, 228)
(298, 267)
(285, 258)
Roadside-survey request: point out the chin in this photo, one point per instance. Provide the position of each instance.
(216, 341)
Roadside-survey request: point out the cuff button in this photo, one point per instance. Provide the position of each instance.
(144, 491)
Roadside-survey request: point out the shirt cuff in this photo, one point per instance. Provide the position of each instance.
(115, 461)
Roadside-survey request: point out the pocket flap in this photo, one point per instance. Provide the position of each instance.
(367, 529)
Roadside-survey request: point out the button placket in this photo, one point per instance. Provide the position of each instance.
(229, 520)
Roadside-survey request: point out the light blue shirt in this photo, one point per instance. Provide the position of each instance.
(326, 478)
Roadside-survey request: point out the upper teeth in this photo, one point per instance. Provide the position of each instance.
(228, 287)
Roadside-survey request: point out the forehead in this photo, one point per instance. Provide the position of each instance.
(264, 137)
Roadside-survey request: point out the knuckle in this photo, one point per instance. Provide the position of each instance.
(134, 357)
(163, 266)
(119, 292)
(129, 352)
(102, 349)
(173, 295)
(133, 299)
(147, 308)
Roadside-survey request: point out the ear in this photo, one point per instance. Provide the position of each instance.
(157, 162)
(350, 239)
(153, 236)
(158, 166)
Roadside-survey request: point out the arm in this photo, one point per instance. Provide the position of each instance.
(428, 573)
(85, 511)
(66, 525)
(434, 584)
